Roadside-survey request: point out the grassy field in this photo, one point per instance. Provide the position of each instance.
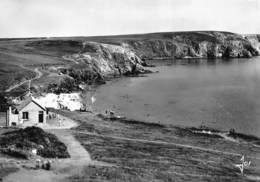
(152, 152)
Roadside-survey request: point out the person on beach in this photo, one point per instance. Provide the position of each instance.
(38, 163)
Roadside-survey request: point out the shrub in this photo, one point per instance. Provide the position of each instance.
(20, 143)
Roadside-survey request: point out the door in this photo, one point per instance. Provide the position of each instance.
(40, 116)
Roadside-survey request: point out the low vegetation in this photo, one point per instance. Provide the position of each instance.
(19, 143)
(67, 85)
(3, 103)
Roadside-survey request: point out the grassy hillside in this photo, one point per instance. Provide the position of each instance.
(139, 151)
(18, 63)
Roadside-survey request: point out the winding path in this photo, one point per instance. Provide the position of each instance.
(39, 75)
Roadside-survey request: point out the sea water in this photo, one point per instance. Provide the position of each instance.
(222, 94)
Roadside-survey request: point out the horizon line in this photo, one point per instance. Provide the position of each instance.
(111, 35)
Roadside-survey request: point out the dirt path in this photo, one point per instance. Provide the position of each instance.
(39, 74)
(69, 59)
(78, 153)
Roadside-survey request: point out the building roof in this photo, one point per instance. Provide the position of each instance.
(27, 101)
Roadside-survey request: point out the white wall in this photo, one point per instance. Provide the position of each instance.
(33, 111)
(12, 118)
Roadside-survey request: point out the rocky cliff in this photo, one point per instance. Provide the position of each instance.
(107, 59)
(196, 45)
(94, 58)
(125, 54)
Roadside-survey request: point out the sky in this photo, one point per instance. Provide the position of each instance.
(37, 18)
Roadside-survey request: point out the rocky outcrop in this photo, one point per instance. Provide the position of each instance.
(96, 62)
(254, 40)
(107, 59)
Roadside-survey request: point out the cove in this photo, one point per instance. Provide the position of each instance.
(222, 94)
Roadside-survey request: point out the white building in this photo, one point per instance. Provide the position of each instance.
(27, 113)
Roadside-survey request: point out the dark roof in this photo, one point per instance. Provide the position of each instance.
(26, 102)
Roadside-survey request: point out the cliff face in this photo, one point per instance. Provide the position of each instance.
(95, 62)
(122, 55)
(108, 59)
(94, 58)
(197, 45)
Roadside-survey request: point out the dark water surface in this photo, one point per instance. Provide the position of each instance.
(223, 95)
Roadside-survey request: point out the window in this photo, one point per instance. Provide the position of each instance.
(40, 116)
(25, 115)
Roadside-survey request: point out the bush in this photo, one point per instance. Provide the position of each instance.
(67, 85)
(21, 142)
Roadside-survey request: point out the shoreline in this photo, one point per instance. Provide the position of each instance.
(124, 100)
